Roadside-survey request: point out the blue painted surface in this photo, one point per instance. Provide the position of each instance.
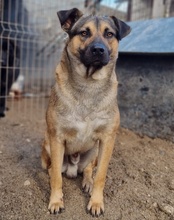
(150, 36)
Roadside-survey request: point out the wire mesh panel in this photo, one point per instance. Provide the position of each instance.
(30, 45)
(31, 41)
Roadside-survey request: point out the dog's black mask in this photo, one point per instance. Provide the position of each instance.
(95, 55)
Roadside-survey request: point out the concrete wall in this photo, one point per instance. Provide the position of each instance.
(146, 94)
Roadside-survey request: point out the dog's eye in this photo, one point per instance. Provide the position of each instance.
(109, 34)
(84, 33)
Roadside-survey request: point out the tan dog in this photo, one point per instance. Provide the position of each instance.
(83, 116)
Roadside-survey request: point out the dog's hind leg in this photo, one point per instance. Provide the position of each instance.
(45, 154)
(45, 159)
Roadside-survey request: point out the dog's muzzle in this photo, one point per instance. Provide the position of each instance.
(95, 55)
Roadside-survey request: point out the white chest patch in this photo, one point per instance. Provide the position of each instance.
(85, 127)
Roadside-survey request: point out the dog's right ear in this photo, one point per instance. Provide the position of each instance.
(68, 18)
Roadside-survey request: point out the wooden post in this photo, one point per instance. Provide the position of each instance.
(129, 10)
(158, 9)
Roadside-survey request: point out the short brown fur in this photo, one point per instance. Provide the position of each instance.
(82, 116)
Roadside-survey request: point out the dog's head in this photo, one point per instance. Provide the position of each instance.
(93, 39)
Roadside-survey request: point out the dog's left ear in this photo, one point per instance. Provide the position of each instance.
(68, 18)
(122, 28)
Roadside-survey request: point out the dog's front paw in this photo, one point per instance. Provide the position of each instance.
(56, 207)
(95, 208)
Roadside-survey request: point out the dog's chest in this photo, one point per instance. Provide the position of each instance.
(87, 126)
(82, 130)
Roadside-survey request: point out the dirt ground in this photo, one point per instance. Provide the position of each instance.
(140, 180)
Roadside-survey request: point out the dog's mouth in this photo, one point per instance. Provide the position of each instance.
(94, 57)
(97, 63)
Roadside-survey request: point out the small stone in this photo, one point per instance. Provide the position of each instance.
(171, 185)
(27, 183)
(28, 140)
(30, 193)
(109, 177)
(142, 169)
(154, 164)
(168, 209)
(155, 205)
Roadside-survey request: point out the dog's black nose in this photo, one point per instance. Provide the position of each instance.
(98, 49)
